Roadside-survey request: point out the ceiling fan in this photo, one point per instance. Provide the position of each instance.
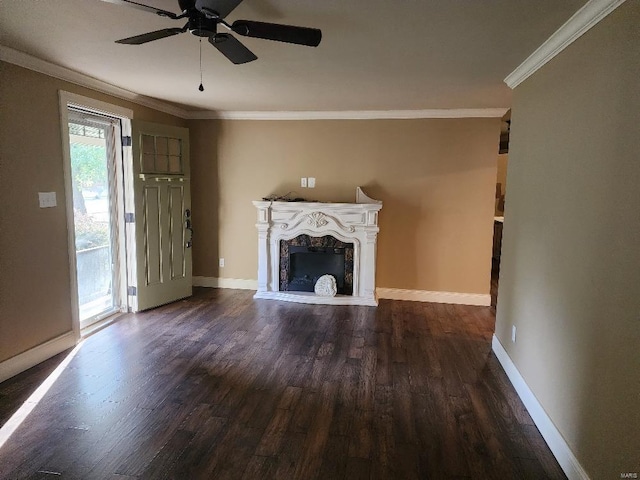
(203, 18)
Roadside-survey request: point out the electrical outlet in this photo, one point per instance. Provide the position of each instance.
(221, 262)
(513, 333)
(303, 182)
(311, 182)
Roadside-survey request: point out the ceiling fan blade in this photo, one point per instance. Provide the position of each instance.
(151, 36)
(280, 33)
(219, 8)
(146, 8)
(231, 48)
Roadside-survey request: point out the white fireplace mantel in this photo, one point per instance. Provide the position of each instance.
(355, 223)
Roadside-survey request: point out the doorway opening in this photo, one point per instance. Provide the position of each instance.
(95, 155)
(501, 188)
(94, 142)
(128, 203)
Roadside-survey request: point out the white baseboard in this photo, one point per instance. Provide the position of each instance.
(389, 293)
(34, 356)
(435, 297)
(565, 457)
(213, 282)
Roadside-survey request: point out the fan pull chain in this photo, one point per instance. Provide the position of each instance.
(201, 87)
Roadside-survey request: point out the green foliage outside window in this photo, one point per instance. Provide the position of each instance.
(88, 166)
(89, 169)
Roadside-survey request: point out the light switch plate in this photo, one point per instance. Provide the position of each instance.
(311, 182)
(47, 199)
(303, 182)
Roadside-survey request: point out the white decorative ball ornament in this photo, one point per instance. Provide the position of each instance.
(326, 286)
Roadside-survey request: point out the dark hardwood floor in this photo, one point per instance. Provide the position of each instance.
(220, 386)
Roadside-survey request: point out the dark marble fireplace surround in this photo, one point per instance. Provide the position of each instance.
(322, 247)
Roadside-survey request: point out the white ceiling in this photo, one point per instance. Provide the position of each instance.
(374, 55)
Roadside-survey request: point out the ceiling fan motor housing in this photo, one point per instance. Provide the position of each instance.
(201, 26)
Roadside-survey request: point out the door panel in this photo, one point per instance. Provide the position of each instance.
(152, 229)
(177, 249)
(161, 187)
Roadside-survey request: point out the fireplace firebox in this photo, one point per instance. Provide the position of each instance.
(304, 259)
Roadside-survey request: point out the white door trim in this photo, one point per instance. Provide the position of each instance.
(68, 99)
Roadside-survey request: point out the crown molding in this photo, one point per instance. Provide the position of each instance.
(350, 114)
(585, 18)
(30, 62)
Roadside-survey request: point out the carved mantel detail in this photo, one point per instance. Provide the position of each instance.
(356, 223)
(317, 219)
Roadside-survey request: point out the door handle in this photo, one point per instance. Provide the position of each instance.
(187, 226)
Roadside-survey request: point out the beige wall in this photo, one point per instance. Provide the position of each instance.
(34, 263)
(570, 272)
(435, 177)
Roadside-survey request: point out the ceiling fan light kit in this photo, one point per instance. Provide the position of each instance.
(203, 18)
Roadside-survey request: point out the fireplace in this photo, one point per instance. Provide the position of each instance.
(300, 241)
(304, 259)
